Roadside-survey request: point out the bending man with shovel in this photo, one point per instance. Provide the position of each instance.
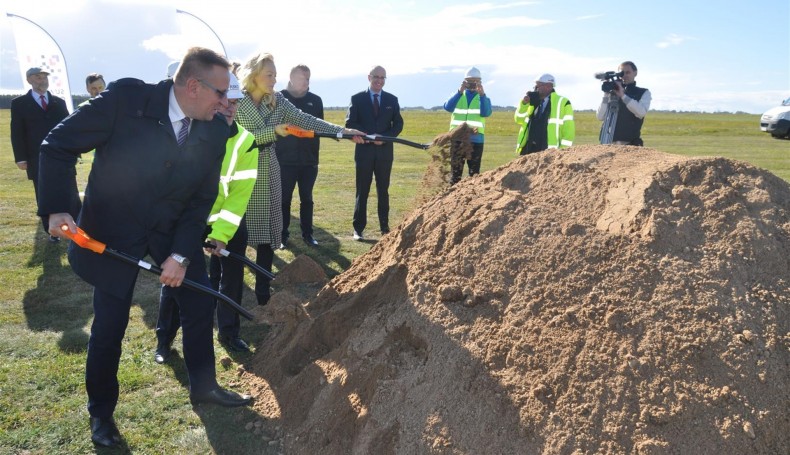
(159, 148)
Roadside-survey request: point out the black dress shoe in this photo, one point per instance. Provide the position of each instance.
(162, 353)
(235, 344)
(104, 432)
(221, 397)
(309, 240)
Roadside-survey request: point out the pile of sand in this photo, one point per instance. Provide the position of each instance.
(596, 300)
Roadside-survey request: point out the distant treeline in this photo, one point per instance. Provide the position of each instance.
(421, 108)
(5, 103)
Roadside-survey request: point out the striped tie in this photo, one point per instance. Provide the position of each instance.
(43, 102)
(184, 131)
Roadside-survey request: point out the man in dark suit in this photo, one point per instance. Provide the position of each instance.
(33, 115)
(374, 111)
(154, 178)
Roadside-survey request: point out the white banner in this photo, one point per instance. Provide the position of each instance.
(36, 48)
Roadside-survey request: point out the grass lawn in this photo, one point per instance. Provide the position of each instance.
(45, 311)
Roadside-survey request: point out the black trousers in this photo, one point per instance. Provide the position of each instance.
(305, 176)
(111, 316)
(473, 164)
(227, 276)
(367, 167)
(264, 258)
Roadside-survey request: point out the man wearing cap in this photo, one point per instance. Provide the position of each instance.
(159, 150)
(546, 119)
(470, 105)
(33, 115)
(227, 229)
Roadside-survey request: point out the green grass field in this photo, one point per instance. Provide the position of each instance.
(45, 312)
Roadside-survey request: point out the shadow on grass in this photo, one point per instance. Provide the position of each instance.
(236, 430)
(327, 251)
(60, 302)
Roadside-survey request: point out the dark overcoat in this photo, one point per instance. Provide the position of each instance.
(145, 195)
(30, 125)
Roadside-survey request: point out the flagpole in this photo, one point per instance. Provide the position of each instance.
(69, 101)
(209, 27)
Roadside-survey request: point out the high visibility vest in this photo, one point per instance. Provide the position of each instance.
(561, 127)
(236, 179)
(469, 113)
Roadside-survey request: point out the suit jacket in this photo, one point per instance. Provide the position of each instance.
(145, 195)
(388, 123)
(30, 124)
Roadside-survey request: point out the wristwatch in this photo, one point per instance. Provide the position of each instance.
(183, 261)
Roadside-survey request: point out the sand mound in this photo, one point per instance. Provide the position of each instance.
(598, 300)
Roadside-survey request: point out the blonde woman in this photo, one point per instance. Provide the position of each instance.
(265, 113)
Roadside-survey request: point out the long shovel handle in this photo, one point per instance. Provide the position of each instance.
(299, 132)
(82, 239)
(244, 259)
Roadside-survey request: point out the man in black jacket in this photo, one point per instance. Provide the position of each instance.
(298, 157)
(33, 115)
(374, 111)
(154, 178)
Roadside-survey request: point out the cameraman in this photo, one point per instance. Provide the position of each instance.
(623, 109)
(546, 119)
(469, 105)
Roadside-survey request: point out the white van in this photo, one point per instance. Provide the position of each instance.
(777, 120)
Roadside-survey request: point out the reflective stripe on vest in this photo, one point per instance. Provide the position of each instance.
(468, 113)
(226, 215)
(233, 147)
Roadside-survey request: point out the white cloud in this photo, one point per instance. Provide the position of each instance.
(673, 40)
(591, 16)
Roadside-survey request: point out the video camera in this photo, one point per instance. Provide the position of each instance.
(609, 78)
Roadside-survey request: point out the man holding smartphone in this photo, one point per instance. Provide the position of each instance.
(469, 105)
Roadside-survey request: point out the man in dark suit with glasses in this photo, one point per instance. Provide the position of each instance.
(374, 111)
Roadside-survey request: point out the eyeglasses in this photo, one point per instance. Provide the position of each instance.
(220, 93)
(381, 78)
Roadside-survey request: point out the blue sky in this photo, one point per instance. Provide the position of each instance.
(693, 55)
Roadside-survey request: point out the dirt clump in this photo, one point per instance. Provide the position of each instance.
(602, 299)
(451, 148)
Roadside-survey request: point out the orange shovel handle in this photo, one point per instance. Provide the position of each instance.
(84, 240)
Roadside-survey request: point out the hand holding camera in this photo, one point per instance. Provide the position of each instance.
(532, 97)
(473, 86)
(612, 82)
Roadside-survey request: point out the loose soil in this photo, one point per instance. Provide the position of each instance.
(601, 299)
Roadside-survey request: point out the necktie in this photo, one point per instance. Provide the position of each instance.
(375, 105)
(43, 102)
(184, 131)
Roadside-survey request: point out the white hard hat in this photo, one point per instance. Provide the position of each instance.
(545, 78)
(172, 68)
(234, 89)
(473, 72)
